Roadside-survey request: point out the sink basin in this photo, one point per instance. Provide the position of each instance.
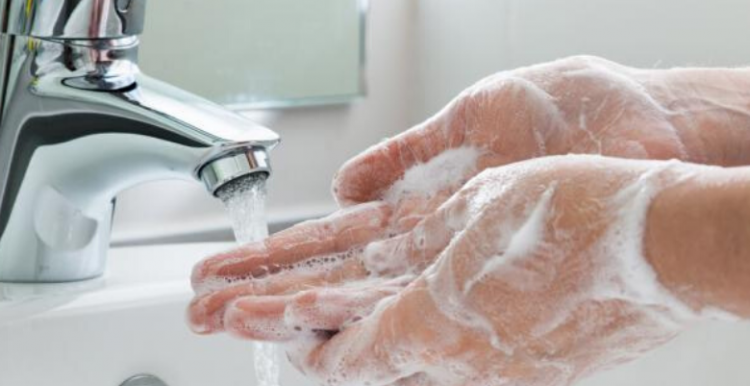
(131, 321)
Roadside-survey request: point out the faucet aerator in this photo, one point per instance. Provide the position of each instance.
(220, 171)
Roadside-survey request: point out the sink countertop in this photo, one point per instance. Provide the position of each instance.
(129, 321)
(134, 275)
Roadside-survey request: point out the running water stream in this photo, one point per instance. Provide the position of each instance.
(245, 200)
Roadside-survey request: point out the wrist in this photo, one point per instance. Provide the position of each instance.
(710, 110)
(697, 239)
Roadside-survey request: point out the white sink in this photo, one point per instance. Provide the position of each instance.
(131, 321)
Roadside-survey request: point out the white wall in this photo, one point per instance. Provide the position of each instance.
(458, 41)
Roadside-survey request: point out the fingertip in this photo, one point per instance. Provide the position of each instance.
(199, 274)
(366, 177)
(206, 311)
(369, 175)
(207, 268)
(200, 320)
(340, 195)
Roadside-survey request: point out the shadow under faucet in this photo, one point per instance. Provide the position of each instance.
(79, 123)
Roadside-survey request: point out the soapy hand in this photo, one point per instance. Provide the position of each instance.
(574, 105)
(578, 105)
(538, 279)
(356, 292)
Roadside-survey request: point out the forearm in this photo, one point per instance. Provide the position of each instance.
(710, 110)
(698, 240)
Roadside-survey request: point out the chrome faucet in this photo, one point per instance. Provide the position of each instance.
(79, 123)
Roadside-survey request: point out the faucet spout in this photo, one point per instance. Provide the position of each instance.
(79, 124)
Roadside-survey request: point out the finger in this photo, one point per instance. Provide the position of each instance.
(333, 309)
(336, 234)
(282, 318)
(367, 176)
(385, 347)
(206, 311)
(357, 356)
(259, 318)
(411, 210)
(418, 248)
(400, 255)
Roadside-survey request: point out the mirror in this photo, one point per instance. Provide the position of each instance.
(258, 53)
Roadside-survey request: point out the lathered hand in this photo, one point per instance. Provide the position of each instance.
(574, 105)
(539, 277)
(578, 105)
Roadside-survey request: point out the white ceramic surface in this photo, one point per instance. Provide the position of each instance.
(131, 321)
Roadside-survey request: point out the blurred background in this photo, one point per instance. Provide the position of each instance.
(406, 61)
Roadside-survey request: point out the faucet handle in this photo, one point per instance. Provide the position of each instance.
(75, 19)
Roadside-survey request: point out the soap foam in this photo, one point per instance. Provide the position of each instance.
(517, 243)
(452, 302)
(629, 276)
(446, 170)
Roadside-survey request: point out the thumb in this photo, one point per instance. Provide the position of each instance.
(369, 175)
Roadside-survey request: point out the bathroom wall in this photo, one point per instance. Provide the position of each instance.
(458, 42)
(423, 52)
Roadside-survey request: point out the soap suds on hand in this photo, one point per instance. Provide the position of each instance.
(448, 169)
(518, 243)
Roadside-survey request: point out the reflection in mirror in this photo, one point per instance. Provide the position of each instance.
(258, 53)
